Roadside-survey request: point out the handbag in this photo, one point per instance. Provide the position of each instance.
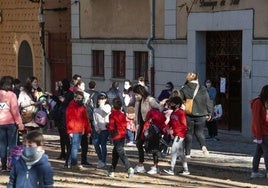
(26, 115)
(40, 117)
(189, 102)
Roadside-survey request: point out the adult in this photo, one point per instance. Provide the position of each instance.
(144, 83)
(10, 119)
(101, 120)
(114, 92)
(144, 103)
(212, 125)
(259, 129)
(76, 78)
(201, 112)
(62, 101)
(28, 104)
(128, 94)
(165, 93)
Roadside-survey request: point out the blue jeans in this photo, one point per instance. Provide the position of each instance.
(75, 141)
(8, 139)
(100, 144)
(130, 136)
(261, 149)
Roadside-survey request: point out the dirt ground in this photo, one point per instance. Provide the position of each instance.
(200, 176)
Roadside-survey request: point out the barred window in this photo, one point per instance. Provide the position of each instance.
(119, 64)
(98, 63)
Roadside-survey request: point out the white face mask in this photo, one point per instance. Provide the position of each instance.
(126, 86)
(208, 84)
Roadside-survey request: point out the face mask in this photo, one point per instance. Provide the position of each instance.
(79, 102)
(138, 97)
(126, 86)
(172, 107)
(29, 151)
(35, 86)
(208, 84)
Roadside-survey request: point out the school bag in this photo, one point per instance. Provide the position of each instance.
(14, 155)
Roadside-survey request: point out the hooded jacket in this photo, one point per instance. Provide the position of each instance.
(202, 105)
(76, 119)
(117, 124)
(38, 176)
(178, 123)
(259, 121)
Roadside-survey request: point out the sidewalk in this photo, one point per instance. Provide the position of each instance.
(231, 152)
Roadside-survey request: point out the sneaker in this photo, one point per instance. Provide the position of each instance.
(130, 172)
(184, 172)
(77, 167)
(130, 144)
(256, 175)
(86, 164)
(139, 169)
(188, 156)
(169, 171)
(154, 170)
(110, 174)
(205, 151)
(101, 164)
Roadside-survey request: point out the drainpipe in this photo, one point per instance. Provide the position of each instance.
(148, 43)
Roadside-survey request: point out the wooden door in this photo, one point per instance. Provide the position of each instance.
(224, 60)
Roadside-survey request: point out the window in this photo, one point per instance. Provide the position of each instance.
(141, 64)
(119, 64)
(98, 62)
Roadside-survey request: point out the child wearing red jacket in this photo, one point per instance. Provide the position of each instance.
(117, 128)
(179, 127)
(77, 124)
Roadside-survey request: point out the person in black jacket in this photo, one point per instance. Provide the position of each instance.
(201, 112)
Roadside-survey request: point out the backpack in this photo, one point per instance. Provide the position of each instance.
(152, 136)
(14, 155)
(90, 105)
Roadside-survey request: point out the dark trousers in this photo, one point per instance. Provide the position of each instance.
(139, 144)
(84, 148)
(212, 128)
(119, 152)
(195, 126)
(64, 140)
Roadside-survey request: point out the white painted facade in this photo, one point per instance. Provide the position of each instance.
(174, 58)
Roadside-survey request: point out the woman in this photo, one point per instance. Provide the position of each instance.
(259, 129)
(100, 136)
(27, 104)
(144, 103)
(201, 112)
(10, 119)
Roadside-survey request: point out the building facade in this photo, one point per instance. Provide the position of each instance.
(35, 40)
(223, 40)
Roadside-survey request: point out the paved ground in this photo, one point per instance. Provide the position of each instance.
(228, 165)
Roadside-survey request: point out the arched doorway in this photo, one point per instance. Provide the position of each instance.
(25, 61)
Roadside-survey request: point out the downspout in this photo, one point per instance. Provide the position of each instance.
(149, 45)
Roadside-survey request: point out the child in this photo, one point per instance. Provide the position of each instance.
(131, 127)
(179, 128)
(117, 128)
(77, 124)
(33, 168)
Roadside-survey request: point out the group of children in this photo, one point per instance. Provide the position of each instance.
(33, 160)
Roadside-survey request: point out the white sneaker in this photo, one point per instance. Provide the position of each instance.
(184, 172)
(139, 169)
(169, 171)
(256, 175)
(188, 156)
(130, 172)
(101, 164)
(205, 151)
(154, 170)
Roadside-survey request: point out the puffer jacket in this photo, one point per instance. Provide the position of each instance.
(202, 105)
(40, 175)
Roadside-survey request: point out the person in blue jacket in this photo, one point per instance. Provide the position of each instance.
(32, 170)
